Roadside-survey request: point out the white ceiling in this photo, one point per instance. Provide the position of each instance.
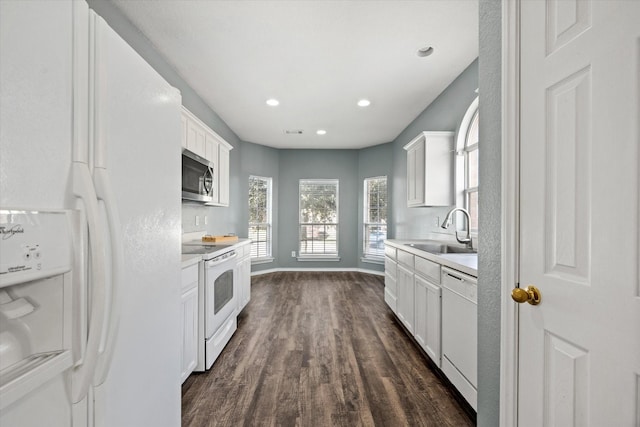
(317, 57)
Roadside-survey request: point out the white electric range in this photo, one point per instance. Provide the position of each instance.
(218, 299)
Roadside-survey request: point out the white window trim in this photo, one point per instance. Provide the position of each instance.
(367, 257)
(269, 223)
(320, 257)
(461, 169)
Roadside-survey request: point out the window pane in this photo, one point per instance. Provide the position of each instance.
(375, 216)
(472, 135)
(318, 217)
(260, 216)
(473, 210)
(374, 237)
(472, 160)
(318, 239)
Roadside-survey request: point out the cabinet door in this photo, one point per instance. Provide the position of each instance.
(430, 169)
(189, 355)
(390, 293)
(427, 317)
(390, 267)
(211, 147)
(405, 296)
(196, 138)
(243, 275)
(183, 131)
(223, 175)
(415, 175)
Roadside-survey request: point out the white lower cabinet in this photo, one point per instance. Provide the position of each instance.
(390, 283)
(437, 306)
(405, 302)
(427, 317)
(412, 290)
(243, 271)
(189, 318)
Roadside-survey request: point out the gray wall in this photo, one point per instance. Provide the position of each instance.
(260, 161)
(318, 164)
(489, 267)
(221, 220)
(373, 161)
(444, 114)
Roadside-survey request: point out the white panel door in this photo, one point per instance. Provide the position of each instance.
(579, 350)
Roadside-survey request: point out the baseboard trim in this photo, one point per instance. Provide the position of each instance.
(278, 270)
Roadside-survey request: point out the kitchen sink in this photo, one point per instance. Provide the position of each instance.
(441, 248)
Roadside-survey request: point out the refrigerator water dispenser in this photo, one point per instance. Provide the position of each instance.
(35, 300)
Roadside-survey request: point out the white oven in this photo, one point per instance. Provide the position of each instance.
(218, 305)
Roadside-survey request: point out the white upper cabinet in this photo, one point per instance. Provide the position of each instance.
(183, 131)
(223, 174)
(430, 169)
(203, 141)
(196, 138)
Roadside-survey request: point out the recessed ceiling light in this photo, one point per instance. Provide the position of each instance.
(321, 132)
(273, 102)
(425, 51)
(364, 103)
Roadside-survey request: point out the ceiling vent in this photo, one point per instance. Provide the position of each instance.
(293, 132)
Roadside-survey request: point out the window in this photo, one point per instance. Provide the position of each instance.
(318, 218)
(260, 217)
(467, 164)
(375, 216)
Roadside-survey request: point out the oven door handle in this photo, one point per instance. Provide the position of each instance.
(213, 263)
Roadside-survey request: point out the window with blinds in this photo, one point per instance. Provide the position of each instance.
(260, 216)
(375, 216)
(471, 172)
(318, 217)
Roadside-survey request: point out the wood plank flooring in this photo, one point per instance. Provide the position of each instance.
(319, 349)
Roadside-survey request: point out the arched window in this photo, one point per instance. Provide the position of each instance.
(467, 165)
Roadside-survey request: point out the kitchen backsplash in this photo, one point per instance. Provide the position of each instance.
(191, 211)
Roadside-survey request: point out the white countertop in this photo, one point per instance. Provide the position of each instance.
(189, 260)
(466, 263)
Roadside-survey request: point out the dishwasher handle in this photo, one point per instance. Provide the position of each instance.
(460, 283)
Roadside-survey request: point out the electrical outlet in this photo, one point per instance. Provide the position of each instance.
(197, 220)
(206, 220)
(293, 254)
(437, 221)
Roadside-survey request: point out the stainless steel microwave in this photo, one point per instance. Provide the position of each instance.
(197, 177)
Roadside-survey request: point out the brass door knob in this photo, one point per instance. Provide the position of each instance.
(531, 295)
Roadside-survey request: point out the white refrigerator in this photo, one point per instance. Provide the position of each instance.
(87, 127)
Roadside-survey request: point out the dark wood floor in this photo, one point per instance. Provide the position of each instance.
(319, 349)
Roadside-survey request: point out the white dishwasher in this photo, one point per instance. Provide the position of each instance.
(460, 332)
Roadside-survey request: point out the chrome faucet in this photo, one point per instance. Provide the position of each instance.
(447, 222)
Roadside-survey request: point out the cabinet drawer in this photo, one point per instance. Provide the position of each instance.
(390, 251)
(405, 258)
(390, 267)
(390, 284)
(189, 277)
(428, 269)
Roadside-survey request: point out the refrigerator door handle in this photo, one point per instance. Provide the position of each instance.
(83, 373)
(110, 330)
